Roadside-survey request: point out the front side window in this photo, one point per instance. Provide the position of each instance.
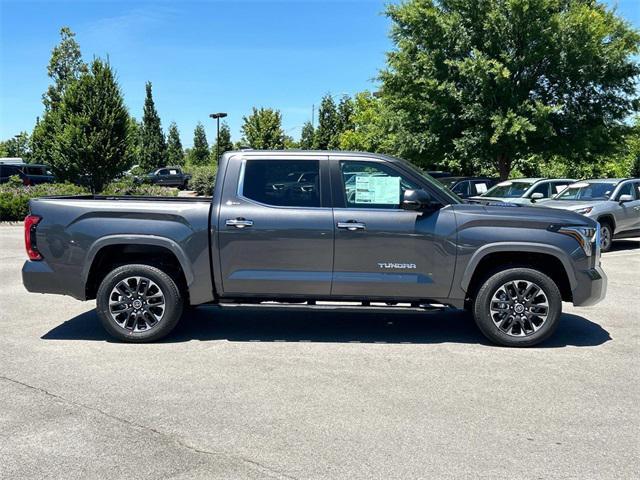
(626, 189)
(461, 189)
(543, 188)
(282, 183)
(164, 171)
(373, 185)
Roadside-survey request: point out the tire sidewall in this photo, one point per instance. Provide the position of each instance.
(482, 314)
(607, 227)
(173, 303)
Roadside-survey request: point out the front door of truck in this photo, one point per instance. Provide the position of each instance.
(275, 227)
(382, 251)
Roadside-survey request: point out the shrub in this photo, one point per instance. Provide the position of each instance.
(14, 197)
(202, 178)
(128, 186)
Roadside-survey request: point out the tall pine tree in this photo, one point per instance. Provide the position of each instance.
(65, 67)
(306, 136)
(154, 147)
(92, 131)
(175, 153)
(199, 154)
(225, 142)
(326, 135)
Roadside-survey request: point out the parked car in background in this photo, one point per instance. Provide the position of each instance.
(30, 174)
(466, 187)
(613, 202)
(523, 190)
(168, 177)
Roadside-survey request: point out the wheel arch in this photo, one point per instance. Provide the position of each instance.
(111, 251)
(608, 218)
(548, 259)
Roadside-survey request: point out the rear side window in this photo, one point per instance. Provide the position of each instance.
(637, 184)
(282, 183)
(35, 171)
(9, 170)
(480, 187)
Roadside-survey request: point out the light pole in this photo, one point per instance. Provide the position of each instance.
(217, 117)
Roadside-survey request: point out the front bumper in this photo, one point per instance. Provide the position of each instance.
(591, 287)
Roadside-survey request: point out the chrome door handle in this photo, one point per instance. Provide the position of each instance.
(238, 222)
(352, 225)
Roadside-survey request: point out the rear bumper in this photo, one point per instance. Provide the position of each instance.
(38, 277)
(591, 287)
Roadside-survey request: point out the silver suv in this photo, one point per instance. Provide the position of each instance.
(524, 191)
(614, 202)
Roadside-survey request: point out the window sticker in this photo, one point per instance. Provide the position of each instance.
(377, 190)
(481, 188)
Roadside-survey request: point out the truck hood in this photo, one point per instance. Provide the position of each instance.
(486, 200)
(569, 204)
(521, 216)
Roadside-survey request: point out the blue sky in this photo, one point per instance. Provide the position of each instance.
(203, 56)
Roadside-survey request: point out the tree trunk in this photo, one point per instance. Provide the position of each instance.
(504, 166)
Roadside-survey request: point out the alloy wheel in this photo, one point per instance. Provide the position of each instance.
(519, 308)
(136, 304)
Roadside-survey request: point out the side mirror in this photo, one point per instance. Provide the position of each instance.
(415, 200)
(625, 198)
(537, 196)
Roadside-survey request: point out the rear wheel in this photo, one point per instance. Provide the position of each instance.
(138, 303)
(518, 307)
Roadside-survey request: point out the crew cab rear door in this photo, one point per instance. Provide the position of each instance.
(382, 251)
(275, 227)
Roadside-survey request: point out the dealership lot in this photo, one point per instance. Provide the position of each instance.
(289, 394)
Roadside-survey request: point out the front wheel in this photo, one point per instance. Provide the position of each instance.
(138, 303)
(518, 307)
(606, 237)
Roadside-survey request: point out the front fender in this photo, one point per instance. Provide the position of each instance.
(531, 247)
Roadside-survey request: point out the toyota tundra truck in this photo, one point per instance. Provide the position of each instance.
(301, 228)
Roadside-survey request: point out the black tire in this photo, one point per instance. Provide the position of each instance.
(606, 236)
(515, 331)
(133, 329)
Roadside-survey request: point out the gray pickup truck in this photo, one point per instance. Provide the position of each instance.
(304, 227)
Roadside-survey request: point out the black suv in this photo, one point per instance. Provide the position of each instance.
(30, 174)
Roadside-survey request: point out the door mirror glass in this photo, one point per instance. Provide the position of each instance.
(625, 198)
(537, 196)
(415, 200)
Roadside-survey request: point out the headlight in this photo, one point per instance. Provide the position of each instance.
(584, 211)
(583, 235)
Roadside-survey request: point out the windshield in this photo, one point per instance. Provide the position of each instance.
(587, 191)
(508, 190)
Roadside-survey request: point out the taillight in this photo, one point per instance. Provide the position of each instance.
(30, 222)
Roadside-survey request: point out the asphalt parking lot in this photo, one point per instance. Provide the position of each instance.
(311, 395)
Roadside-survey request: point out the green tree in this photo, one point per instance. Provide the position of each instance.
(134, 142)
(65, 67)
(345, 113)
(494, 83)
(199, 153)
(175, 152)
(326, 135)
(307, 136)
(92, 129)
(371, 128)
(225, 142)
(263, 129)
(18, 146)
(154, 147)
